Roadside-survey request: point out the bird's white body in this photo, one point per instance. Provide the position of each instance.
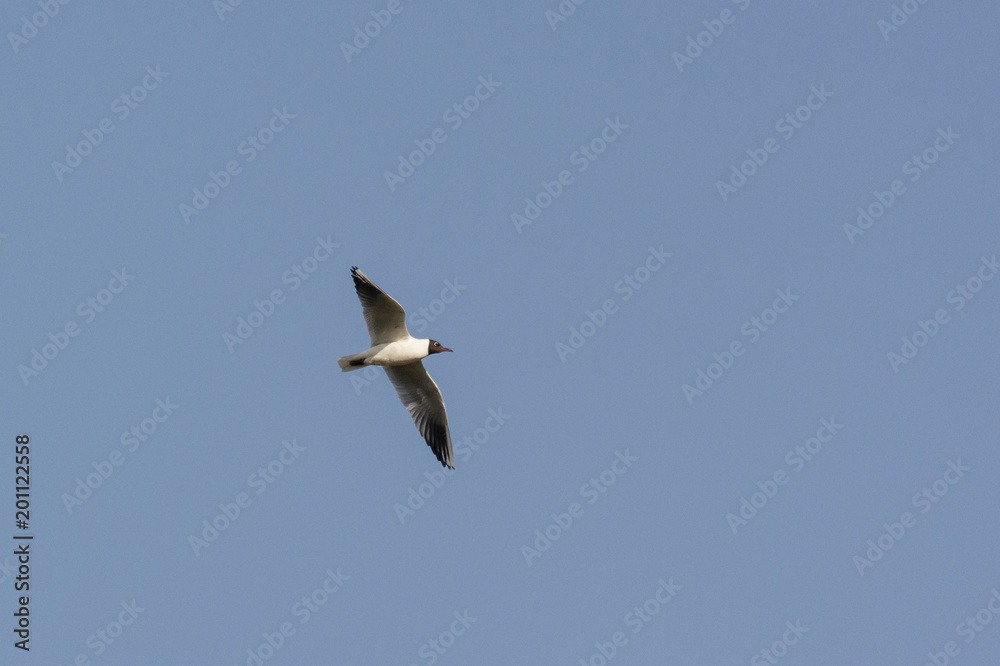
(399, 352)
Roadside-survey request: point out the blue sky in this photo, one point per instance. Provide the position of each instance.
(719, 278)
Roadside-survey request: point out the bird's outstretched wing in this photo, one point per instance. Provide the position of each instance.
(422, 398)
(385, 317)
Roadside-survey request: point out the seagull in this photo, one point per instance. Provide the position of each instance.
(399, 353)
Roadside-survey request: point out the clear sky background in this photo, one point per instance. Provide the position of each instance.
(824, 489)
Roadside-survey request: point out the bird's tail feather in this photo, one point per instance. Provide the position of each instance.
(346, 364)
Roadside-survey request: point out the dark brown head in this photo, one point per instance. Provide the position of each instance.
(435, 347)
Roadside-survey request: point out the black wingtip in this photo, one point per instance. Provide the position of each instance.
(362, 283)
(359, 277)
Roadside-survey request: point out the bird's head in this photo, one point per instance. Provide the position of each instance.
(435, 347)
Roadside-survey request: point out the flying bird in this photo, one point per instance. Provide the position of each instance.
(399, 353)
